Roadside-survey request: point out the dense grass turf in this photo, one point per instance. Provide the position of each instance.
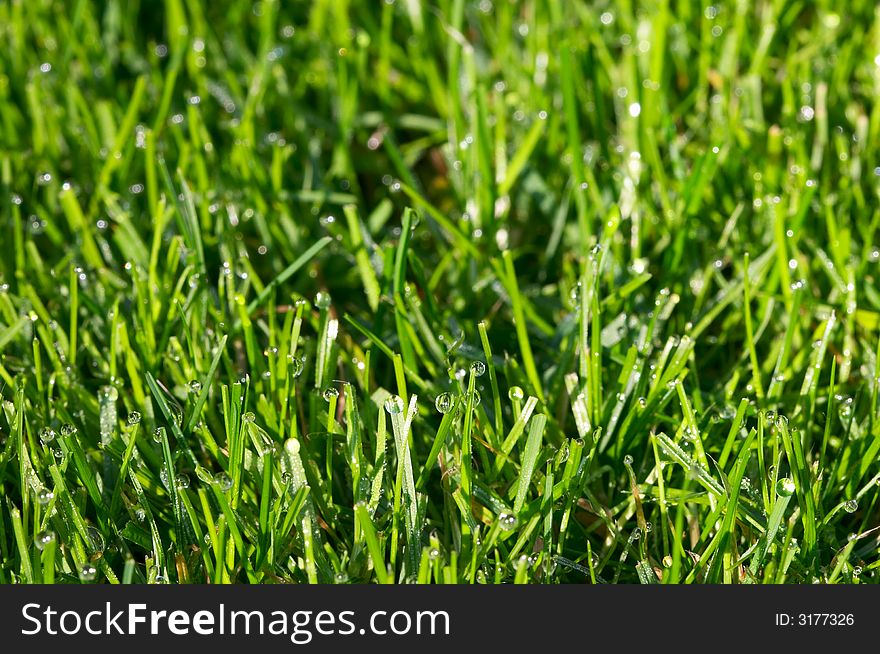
(456, 292)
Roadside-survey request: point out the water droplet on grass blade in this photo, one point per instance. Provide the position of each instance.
(47, 435)
(249, 417)
(44, 538)
(109, 393)
(506, 521)
(785, 487)
(563, 454)
(478, 368)
(322, 300)
(67, 429)
(87, 572)
(223, 480)
(444, 402)
(134, 418)
(515, 393)
(182, 481)
(44, 496)
(195, 386)
(851, 506)
(394, 404)
(296, 365)
(95, 540)
(330, 393)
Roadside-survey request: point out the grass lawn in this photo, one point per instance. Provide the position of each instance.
(450, 292)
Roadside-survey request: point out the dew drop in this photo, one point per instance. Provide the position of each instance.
(44, 538)
(44, 496)
(95, 540)
(444, 403)
(182, 481)
(627, 460)
(785, 487)
(134, 418)
(322, 300)
(249, 417)
(223, 480)
(87, 572)
(515, 393)
(330, 393)
(296, 366)
(47, 435)
(850, 506)
(109, 393)
(394, 404)
(195, 386)
(507, 521)
(564, 453)
(478, 368)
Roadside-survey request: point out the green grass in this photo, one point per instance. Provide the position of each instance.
(357, 292)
